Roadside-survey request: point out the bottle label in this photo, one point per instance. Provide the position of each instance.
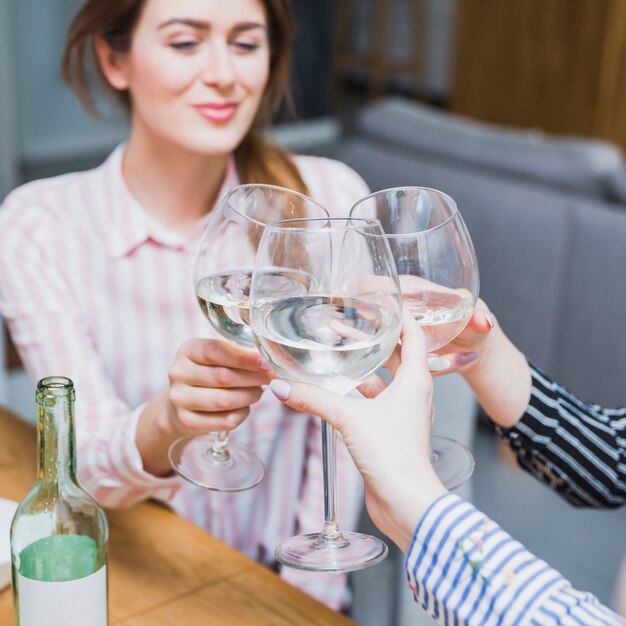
(81, 602)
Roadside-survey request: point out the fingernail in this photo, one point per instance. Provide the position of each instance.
(437, 363)
(280, 388)
(264, 365)
(491, 320)
(466, 357)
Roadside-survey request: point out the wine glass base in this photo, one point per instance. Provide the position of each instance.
(307, 553)
(452, 461)
(193, 459)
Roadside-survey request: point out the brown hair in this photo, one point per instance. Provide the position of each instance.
(258, 159)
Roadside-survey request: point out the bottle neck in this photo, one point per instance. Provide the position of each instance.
(56, 446)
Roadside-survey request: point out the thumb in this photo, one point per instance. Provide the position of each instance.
(311, 399)
(413, 353)
(482, 319)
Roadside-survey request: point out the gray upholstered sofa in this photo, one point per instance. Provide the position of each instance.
(548, 220)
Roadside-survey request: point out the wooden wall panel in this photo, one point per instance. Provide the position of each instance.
(559, 65)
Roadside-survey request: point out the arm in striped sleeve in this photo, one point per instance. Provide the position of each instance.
(53, 339)
(576, 448)
(464, 569)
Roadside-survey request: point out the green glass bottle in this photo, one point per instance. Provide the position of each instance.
(59, 532)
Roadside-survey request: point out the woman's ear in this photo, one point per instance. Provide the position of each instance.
(113, 64)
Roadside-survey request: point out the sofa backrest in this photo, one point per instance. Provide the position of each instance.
(582, 165)
(552, 263)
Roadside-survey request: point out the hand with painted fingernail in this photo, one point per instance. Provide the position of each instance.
(464, 352)
(387, 436)
(457, 356)
(496, 370)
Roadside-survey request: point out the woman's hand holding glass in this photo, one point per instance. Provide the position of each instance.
(466, 350)
(212, 382)
(212, 385)
(400, 482)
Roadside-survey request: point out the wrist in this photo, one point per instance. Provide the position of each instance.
(155, 433)
(501, 380)
(165, 419)
(406, 504)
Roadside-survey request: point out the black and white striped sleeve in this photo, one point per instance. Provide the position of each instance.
(578, 449)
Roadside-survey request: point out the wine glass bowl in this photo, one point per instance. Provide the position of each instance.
(438, 275)
(335, 333)
(222, 276)
(434, 256)
(223, 267)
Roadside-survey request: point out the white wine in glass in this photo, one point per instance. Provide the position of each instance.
(325, 340)
(223, 298)
(442, 315)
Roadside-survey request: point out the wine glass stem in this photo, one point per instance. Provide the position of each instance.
(330, 535)
(433, 455)
(219, 449)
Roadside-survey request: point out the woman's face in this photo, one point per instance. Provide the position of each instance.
(197, 70)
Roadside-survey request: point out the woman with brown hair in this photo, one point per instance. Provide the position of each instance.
(95, 267)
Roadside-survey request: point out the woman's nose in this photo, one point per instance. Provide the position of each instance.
(218, 70)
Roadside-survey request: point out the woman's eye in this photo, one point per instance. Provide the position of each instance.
(245, 46)
(184, 46)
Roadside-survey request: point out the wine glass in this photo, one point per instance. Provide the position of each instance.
(438, 275)
(342, 326)
(221, 278)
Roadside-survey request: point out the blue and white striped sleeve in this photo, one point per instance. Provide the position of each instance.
(464, 569)
(577, 448)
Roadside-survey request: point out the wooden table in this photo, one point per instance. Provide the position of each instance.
(163, 569)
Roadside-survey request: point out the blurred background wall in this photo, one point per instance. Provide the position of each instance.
(554, 65)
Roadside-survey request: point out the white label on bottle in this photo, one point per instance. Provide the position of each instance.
(81, 602)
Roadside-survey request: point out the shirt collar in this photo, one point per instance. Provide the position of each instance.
(130, 225)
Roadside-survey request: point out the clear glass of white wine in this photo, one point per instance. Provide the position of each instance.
(438, 274)
(222, 278)
(343, 325)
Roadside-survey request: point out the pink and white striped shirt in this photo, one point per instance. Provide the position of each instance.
(94, 288)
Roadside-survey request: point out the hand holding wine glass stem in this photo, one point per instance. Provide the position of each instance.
(444, 313)
(222, 278)
(394, 456)
(212, 385)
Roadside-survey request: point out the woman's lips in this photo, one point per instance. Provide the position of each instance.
(217, 112)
